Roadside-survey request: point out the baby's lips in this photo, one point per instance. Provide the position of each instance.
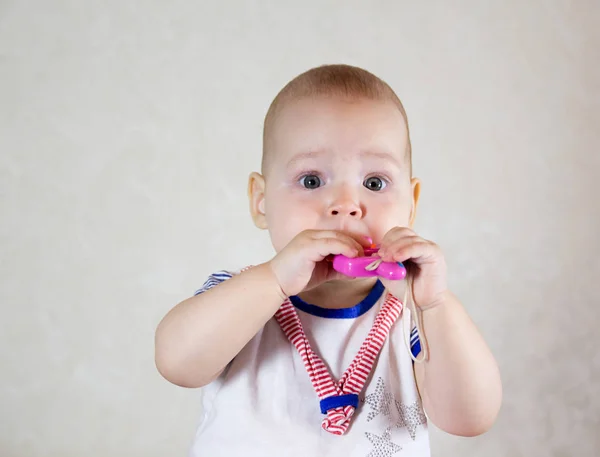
(372, 248)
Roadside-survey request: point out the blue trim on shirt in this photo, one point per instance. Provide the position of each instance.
(414, 336)
(338, 400)
(416, 348)
(214, 280)
(342, 313)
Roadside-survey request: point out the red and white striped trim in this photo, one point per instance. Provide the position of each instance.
(354, 378)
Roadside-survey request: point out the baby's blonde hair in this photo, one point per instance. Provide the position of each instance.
(344, 81)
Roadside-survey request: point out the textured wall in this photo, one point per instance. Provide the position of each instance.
(127, 130)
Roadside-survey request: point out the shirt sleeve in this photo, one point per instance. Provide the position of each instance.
(214, 280)
(415, 342)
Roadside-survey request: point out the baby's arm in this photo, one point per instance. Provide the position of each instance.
(460, 382)
(198, 338)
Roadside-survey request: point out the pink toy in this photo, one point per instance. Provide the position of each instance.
(369, 265)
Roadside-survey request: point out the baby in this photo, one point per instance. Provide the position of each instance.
(298, 359)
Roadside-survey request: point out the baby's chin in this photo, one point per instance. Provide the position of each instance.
(334, 276)
(342, 278)
(337, 277)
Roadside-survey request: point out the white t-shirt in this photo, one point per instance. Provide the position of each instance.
(264, 403)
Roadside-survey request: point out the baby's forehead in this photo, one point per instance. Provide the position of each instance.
(352, 125)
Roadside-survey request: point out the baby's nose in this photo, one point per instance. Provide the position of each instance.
(348, 209)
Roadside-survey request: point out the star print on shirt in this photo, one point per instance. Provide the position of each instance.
(379, 401)
(383, 446)
(411, 416)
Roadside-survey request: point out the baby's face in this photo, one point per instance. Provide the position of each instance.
(338, 165)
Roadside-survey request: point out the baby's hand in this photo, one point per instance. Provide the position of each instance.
(425, 262)
(300, 265)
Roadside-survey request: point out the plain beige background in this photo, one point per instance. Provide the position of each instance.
(127, 131)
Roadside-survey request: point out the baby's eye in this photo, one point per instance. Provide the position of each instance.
(374, 183)
(311, 181)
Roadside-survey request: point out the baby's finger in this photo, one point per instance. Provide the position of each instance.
(392, 240)
(396, 234)
(324, 247)
(406, 248)
(364, 241)
(401, 230)
(353, 240)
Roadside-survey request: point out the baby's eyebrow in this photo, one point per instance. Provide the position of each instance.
(315, 154)
(304, 156)
(382, 156)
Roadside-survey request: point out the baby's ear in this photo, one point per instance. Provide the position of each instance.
(256, 197)
(415, 185)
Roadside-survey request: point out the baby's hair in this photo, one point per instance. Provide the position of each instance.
(342, 81)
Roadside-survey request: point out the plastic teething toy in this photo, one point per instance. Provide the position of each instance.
(368, 265)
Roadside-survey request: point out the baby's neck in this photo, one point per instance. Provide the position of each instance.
(339, 294)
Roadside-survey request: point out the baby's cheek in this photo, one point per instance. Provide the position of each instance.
(385, 223)
(283, 231)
